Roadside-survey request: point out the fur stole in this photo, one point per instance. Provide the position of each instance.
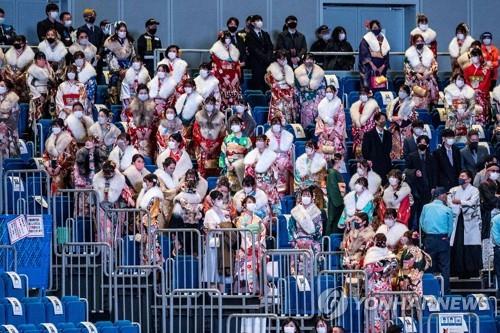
(179, 68)
(352, 205)
(187, 109)
(182, 165)
(455, 50)
(496, 94)
(142, 76)
(304, 217)
(304, 169)
(390, 199)
(120, 51)
(9, 103)
(90, 51)
(374, 44)
(260, 196)
(161, 91)
(405, 111)
(78, 127)
(285, 144)
(110, 137)
(206, 87)
(40, 73)
(374, 181)
(135, 177)
(56, 145)
(369, 110)
(317, 77)
(86, 73)
(277, 72)
(169, 182)
(429, 34)
(220, 50)
(23, 60)
(142, 112)
(414, 57)
(393, 234)
(466, 92)
(145, 197)
(327, 109)
(376, 254)
(116, 185)
(262, 161)
(56, 54)
(126, 159)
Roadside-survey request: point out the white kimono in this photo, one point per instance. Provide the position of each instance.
(131, 80)
(374, 181)
(167, 179)
(53, 54)
(306, 168)
(471, 210)
(123, 159)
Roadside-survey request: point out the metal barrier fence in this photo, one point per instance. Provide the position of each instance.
(26, 192)
(8, 258)
(328, 261)
(471, 320)
(253, 323)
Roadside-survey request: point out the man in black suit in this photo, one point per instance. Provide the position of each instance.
(377, 146)
(52, 12)
(410, 143)
(96, 36)
(447, 161)
(237, 39)
(292, 41)
(260, 53)
(421, 176)
(147, 43)
(473, 155)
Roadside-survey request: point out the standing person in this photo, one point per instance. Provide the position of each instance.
(69, 92)
(466, 237)
(147, 43)
(490, 56)
(237, 39)
(95, 34)
(262, 209)
(426, 32)
(392, 228)
(77, 122)
(292, 41)
(281, 80)
(168, 125)
(362, 113)
(7, 32)
(490, 198)
(358, 200)
(207, 84)
(478, 76)
(162, 89)
(310, 86)
(82, 44)
(226, 69)
(123, 152)
(52, 12)
(55, 52)
(364, 169)
(473, 155)
(401, 113)
(320, 45)
(460, 44)
(137, 75)
(436, 222)
(9, 114)
(495, 238)
(373, 55)
(397, 196)
(460, 105)
(104, 131)
(410, 142)
(447, 161)
(358, 237)
(175, 150)
(260, 52)
(188, 104)
(335, 191)
(310, 168)
(87, 76)
(377, 146)
(339, 43)
(243, 112)
(281, 142)
(178, 68)
(17, 61)
(68, 31)
(331, 124)
(39, 80)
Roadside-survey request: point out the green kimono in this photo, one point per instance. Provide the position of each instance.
(334, 183)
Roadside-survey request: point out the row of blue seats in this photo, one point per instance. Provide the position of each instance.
(13, 285)
(121, 326)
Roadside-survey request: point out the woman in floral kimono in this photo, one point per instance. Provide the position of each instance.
(253, 244)
(310, 168)
(262, 209)
(59, 155)
(358, 200)
(281, 142)
(136, 76)
(112, 193)
(281, 79)
(177, 66)
(380, 264)
(413, 262)
(362, 113)
(310, 84)
(459, 45)
(82, 44)
(78, 123)
(87, 76)
(141, 127)
(135, 173)
(105, 132)
(84, 170)
(478, 76)
(175, 149)
(460, 106)
(261, 163)
(305, 227)
(427, 33)
(397, 195)
(401, 113)
(233, 150)
(17, 61)
(40, 81)
(420, 70)
(120, 51)
(226, 68)
(358, 237)
(331, 124)
(123, 152)
(162, 89)
(9, 114)
(55, 52)
(150, 199)
(207, 84)
(69, 92)
(169, 124)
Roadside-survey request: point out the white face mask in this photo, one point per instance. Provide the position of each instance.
(363, 98)
(418, 131)
(321, 329)
(402, 95)
(360, 172)
(358, 188)
(161, 75)
(203, 73)
(251, 207)
(329, 95)
(3, 90)
(71, 76)
(122, 34)
(494, 176)
(282, 62)
(2, 20)
(460, 83)
(309, 151)
(170, 116)
(475, 60)
(487, 41)
(325, 37)
(306, 200)
(219, 203)
(460, 36)
(188, 90)
(56, 130)
(102, 120)
(276, 128)
(67, 24)
(172, 55)
(389, 222)
(247, 190)
(260, 144)
(227, 41)
(289, 329)
(143, 97)
(259, 24)
(172, 145)
(240, 109)
(235, 128)
(54, 15)
(136, 65)
(84, 41)
(78, 114)
(209, 108)
(79, 62)
(341, 36)
(450, 141)
(393, 181)
(423, 27)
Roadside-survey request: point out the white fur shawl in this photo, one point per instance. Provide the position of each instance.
(405, 111)
(78, 127)
(23, 60)
(304, 217)
(413, 56)
(375, 254)
(53, 54)
(429, 34)
(351, 205)
(374, 45)
(183, 165)
(89, 51)
(304, 169)
(286, 140)
(368, 111)
(8, 104)
(126, 160)
(179, 68)
(190, 107)
(206, 87)
(86, 73)
(393, 234)
(496, 94)
(169, 182)
(260, 199)
(455, 50)
(165, 89)
(145, 197)
(389, 198)
(277, 72)
(142, 76)
(374, 181)
(110, 137)
(327, 109)
(116, 185)
(56, 145)
(262, 161)
(220, 50)
(454, 92)
(317, 77)
(40, 73)
(134, 176)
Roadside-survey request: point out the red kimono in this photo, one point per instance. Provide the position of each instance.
(479, 78)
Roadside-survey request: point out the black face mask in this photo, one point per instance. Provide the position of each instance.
(422, 147)
(232, 29)
(153, 31)
(419, 46)
(51, 40)
(292, 25)
(473, 145)
(90, 20)
(17, 46)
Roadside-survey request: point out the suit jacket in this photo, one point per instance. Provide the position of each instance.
(421, 186)
(43, 26)
(409, 146)
(96, 36)
(295, 44)
(260, 50)
(7, 34)
(378, 152)
(468, 161)
(447, 174)
(239, 42)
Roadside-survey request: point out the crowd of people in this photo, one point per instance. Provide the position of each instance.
(188, 129)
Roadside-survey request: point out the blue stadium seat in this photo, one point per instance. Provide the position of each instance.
(212, 183)
(352, 97)
(75, 309)
(166, 246)
(131, 251)
(282, 233)
(295, 301)
(252, 92)
(347, 179)
(348, 120)
(35, 310)
(54, 312)
(125, 326)
(101, 94)
(10, 290)
(380, 99)
(260, 114)
(2, 314)
(399, 164)
(10, 317)
(15, 164)
(287, 203)
(425, 116)
(22, 121)
(116, 109)
(349, 84)
(431, 285)
(151, 167)
(335, 241)
(324, 282)
(186, 272)
(300, 148)
(46, 127)
(256, 100)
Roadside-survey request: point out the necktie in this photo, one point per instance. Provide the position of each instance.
(260, 35)
(450, 156)
(233, 39)
(381, 136)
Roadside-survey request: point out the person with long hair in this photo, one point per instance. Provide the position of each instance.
(55, 52)
(136, 75)
(397, 195)
(18, 59)
(87, 75)
(331, 124)
(162, 89)
(358, 200)
(9, 116)
(281, 142)
(401, 112)
(69, 92)
(373, 55)
(40, 81)
(339, 43)
(177, 66)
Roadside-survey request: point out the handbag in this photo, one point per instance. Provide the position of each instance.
(419, 91)
(327, 149)
(378, 82)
